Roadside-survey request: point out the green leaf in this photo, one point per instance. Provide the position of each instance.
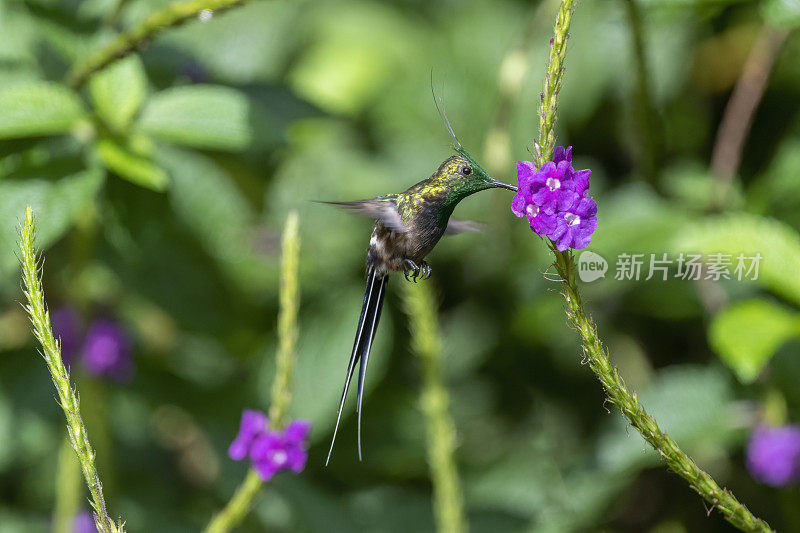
(118, 90)
(735, 233)
(747, 334)
(783, 14)
(206, 197)
(262, 36)
(56, 206)
(202, 116)
(37, 108)
(131, 166)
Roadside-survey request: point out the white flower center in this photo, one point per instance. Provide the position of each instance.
(572, 219)
(553, 183)
(532, 210)
(279, 457)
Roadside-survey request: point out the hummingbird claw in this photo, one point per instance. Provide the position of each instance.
(411, 268)
(426, 270)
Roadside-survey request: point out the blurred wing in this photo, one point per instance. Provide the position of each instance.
(384, 210)
(455, 226)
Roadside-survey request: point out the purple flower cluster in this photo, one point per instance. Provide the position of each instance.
(270, 451)
(105, 349)
(554, 200)
(773, 455)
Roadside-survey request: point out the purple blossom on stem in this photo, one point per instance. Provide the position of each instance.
(67, 328)
(773, 455)
(107, 350)
(253, 424)
(269, 450)
(554, 200)
(274, 451)
(575, 224)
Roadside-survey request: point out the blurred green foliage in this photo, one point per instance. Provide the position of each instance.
(160, 189)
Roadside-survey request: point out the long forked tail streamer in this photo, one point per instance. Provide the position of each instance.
(365, 333)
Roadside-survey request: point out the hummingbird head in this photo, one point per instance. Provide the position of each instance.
(460, 176)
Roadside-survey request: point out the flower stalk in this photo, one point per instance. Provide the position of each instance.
(128, 41)
(595, 354)
(241, 501)
(51, 352)
(441, 430)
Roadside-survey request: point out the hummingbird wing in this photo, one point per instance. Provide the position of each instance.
(455, 226)
(381, 208)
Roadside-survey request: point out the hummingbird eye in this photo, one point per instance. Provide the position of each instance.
(465, 170)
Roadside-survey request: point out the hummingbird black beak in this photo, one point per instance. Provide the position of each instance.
(501, 185)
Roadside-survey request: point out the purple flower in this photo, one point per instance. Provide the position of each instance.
(274, 451)
(554, 200)
(253, 424)
(107, 350)
(83, 523)
(67, 328)
(270, 451)
(576, 224)
(773, 455)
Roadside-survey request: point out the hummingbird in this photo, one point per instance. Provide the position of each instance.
(408, 225)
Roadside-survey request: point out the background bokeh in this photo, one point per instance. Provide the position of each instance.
(161, 188)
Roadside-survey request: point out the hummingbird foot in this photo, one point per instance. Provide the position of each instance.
(410, 267)
(426, 270)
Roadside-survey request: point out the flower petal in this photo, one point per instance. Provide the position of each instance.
(559, 154)
(580, 181)
(265, 443)
(296, 460)
(239, 449)
(266, 469)
(297, 431)
(518, 205)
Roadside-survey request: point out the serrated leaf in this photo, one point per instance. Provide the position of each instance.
(747, 334)
(55, 204)
(131, 166)
(37, 108)
(735, 233)
(202, 116)
(118, 90)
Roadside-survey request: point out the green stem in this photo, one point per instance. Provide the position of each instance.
(68, 489)
(618, 394)
(239, 505)
(441, 430)
(287, 324)
(552, 84)
(51, 352)
(173, 15)
(597, 357)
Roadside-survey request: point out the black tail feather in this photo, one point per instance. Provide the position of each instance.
(365, 333)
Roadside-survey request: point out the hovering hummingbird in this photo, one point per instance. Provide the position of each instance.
(407, 227)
